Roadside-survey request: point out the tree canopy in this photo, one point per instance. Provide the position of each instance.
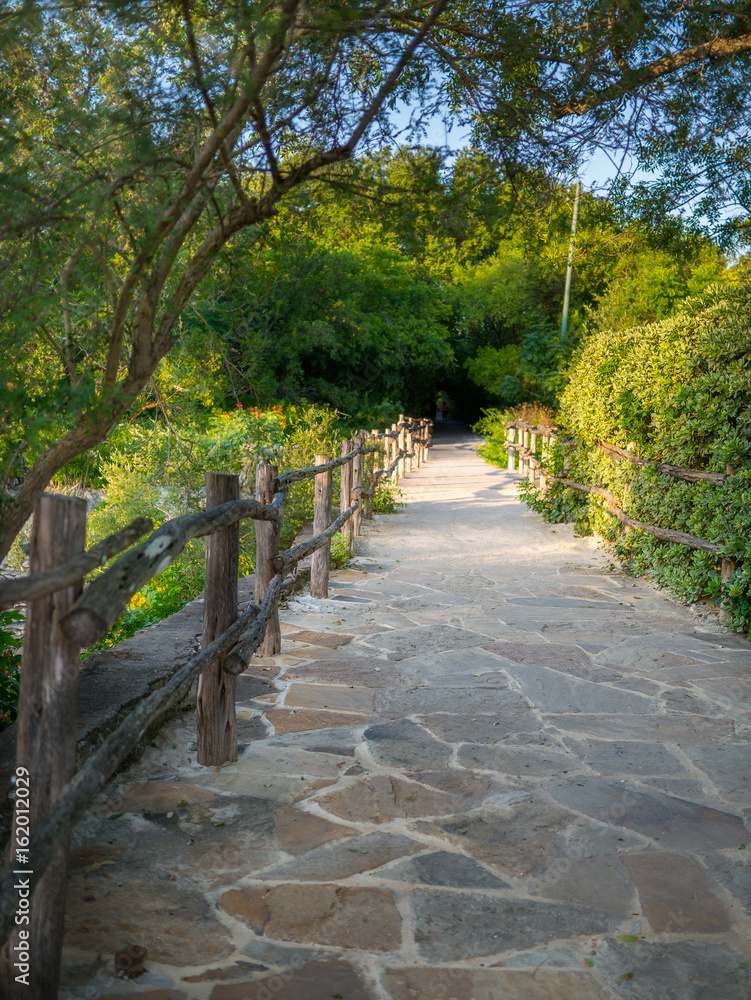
(140, 138)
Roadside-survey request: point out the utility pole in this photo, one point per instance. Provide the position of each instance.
(569, 269)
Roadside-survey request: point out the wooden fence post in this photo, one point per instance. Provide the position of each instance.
(727, 569)
(321, 559)
(345, 493)
(217, 732)
(402, 446)
(267, 546)
(511, 449)
(358, 479)
(367, 510)
(46, 741)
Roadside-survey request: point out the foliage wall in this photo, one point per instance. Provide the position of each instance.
(678, 391)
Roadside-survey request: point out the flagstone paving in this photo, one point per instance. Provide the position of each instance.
(488, 766)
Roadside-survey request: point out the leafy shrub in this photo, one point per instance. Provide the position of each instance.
(492, 426)
(161, 597)
(387, 498)
(678, 391)
(152, 470)
(340, 549)
(11, 641)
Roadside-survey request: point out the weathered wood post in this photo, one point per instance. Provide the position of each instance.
(409, 446)
(370, 465)
(511, 448)
(321, 560)
(533, 442)
(728, 568)
(217, 733)
(267, 546)
(402, 445)
(45, 747)
(358, 477)
(345, 493)
(395, 453)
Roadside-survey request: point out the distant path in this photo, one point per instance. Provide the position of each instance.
(488, 767)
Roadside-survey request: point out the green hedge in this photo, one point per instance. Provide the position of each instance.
(678, 391)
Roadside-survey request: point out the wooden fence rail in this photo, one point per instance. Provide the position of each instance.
(228, 644)
(521, 446)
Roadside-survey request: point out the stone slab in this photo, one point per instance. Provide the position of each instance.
(491, 679)
(284, 788)
(675, 823)
(365, 671)
(728, 767)
(319, 980)
(340, 917)
(297, 831)
(732, 870)
(626, 757)
(682, 970)
(600, 882)
(483, 729)
(320, 740)
(338, 698)
(550, 601)
(404, 744)
(656, 729)
(409, 575)
(271, 760)
(169, 920)
(426, 700)
(382, 798)
(524, 761)
(425, 638)
(460, 925)
(443, 868)
(340, 860)
(520, 839)
(157, 796)
(249, 687)
(290, 720)
(489, 984)
(553, 691)
(332, 640)
(676, 897)
(567, 658)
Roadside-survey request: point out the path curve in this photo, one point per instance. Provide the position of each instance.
(489, 766)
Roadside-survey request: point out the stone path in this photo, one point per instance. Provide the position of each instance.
(489, 766)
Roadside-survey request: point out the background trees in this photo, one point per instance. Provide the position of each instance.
(139, 139)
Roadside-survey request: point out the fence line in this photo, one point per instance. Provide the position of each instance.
(224, 655)
(521, 444)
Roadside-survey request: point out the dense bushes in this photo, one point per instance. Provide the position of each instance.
(678, 391)
(153, 470)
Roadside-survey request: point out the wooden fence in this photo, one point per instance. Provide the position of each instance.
(524, 442)
(61, 618)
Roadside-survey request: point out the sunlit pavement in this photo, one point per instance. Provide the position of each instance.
(489, 766)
